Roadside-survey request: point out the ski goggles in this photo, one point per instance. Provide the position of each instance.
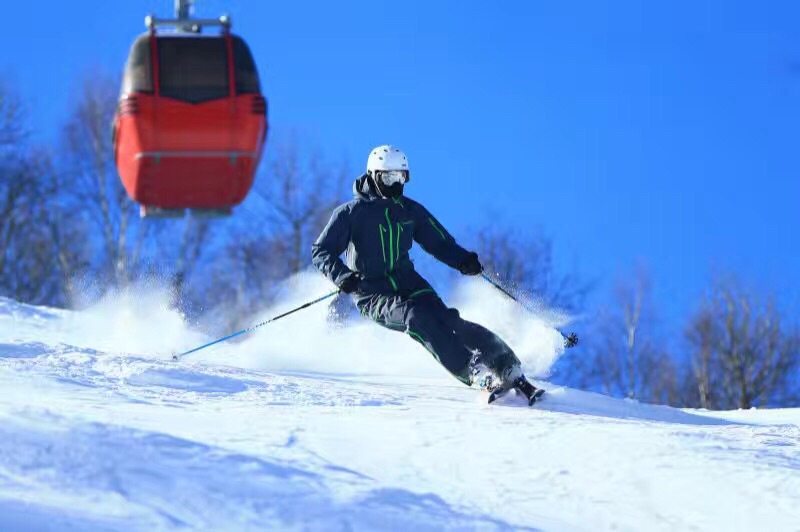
(390, 177)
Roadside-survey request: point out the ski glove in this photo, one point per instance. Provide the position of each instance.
(471, 265)
(350, 284)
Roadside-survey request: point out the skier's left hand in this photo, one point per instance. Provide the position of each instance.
(471, 265)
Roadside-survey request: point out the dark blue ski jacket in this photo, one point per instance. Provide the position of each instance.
(376, 234)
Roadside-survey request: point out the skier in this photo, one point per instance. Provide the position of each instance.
(375, 231)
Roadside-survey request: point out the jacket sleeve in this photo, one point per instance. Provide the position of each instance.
(435, 239)
(330, 244)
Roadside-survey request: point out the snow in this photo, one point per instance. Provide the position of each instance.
(303, 427)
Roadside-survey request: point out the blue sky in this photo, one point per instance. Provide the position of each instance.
(631, 132)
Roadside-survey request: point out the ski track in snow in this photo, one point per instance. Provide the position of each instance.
(92, 438)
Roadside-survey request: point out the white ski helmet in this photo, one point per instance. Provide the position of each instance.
(386, 157)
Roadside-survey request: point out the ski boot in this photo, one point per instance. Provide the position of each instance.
(531, 392)
(514, 380)
(505, 383)
(498, 382)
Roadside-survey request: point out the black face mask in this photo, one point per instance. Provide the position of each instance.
(394, 190)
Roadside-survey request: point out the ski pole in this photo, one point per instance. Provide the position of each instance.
(177, 356)
(570, 340)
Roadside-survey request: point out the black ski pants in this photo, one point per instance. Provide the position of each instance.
(450, 339)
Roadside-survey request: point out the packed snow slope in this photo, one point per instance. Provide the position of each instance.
(305, 427)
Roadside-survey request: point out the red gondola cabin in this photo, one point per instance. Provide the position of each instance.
(191, 123)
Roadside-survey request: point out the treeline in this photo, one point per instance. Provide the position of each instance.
(734, 351)
(69, 234)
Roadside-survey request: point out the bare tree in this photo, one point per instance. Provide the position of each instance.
(701, 336)
(300, 189)
(13, 127)
(624, 356)
(27, 270)
(271, 237)
(636, 355)
(17, 183)
(743, 354)
(525, 263)
(101, 201)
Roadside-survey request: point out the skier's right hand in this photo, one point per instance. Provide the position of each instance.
(350, 284)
